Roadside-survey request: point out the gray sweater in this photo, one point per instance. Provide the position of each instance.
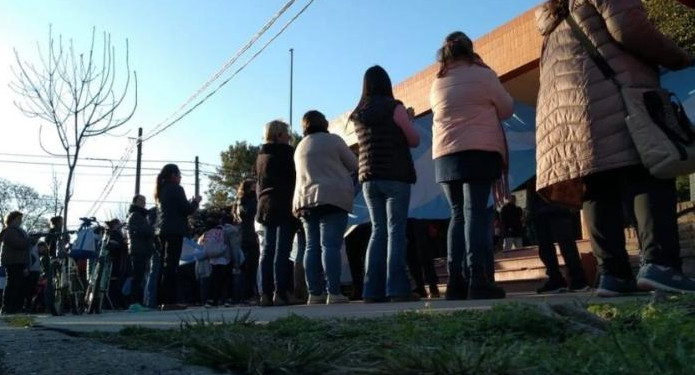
(324, 164)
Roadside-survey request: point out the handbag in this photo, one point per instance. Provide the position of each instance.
(659, 127)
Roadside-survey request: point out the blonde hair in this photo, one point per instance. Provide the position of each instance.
(274, 130)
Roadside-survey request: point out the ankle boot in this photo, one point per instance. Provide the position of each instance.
(456, 288)
(481, 286)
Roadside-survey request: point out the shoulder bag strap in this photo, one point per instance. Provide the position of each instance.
(594, 53)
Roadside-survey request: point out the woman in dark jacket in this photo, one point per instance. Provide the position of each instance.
(141, 235)
(244, 214)
(385, 134)
(14, 256)
(172, 225)
(276, 178)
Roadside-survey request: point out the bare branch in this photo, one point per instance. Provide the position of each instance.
(70, 91)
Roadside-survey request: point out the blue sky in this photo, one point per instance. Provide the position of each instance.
(175, 46)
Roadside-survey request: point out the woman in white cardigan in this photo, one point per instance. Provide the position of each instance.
(323, 197)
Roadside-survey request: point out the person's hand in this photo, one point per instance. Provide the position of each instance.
(197, 199)
(25, 272)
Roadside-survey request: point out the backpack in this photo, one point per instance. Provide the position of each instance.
(85, 244)
(213, 243)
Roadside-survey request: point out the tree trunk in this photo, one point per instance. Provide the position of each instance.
(66, 202)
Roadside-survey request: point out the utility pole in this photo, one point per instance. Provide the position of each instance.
(291, 73)
(138, 166)
(197, 177)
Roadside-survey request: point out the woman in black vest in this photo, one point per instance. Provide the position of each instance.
(386, 170)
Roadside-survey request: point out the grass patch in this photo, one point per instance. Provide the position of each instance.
(20, 321)
(513, 339)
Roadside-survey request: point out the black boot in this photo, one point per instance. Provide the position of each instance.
(481, 286)
(456, 288)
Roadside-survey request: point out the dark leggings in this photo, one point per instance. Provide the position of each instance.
(655, 210)
(171, 246)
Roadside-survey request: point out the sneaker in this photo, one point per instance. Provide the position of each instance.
(412, 297)
(611, 286)
(317, 300)
(553, 287)
(288, 299)
(136, 308)
(578, 288)
(653, 276)
(337, 298)
(266, 300)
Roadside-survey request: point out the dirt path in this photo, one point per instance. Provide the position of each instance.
(26, 351)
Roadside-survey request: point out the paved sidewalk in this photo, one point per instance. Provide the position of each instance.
(114, 321)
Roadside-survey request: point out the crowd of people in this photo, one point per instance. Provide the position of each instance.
(585, 159)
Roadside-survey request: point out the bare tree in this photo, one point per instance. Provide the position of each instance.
(74, 93)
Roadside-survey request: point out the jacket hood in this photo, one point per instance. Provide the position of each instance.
(546, 22)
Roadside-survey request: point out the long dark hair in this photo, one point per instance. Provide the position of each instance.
(245, 187)
(376, 83)
(168, 171)
(457, 47)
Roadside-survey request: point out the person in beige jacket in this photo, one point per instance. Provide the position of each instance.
(323, 196)
(585, 155)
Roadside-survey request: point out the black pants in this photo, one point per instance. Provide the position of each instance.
(655, 210)
(356, 250)
(557, 227)
(420, 256)
(252, 252)
(30, 287)
(171, 248)
(13, 297)
(140, 264)
(219, 283)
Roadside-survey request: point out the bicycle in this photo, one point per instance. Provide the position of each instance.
(99, 279)
(65, 285)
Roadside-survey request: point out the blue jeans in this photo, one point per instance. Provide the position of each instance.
(153, 280)
(324, 240)
(386, 274)
(469, 227)
(275, 265)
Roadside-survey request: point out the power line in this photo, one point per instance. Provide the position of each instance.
(224, 68)
(103, 159)
(232, 76)
(82, 165)
(112, 181)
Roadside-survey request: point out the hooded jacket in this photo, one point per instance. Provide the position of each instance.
(140, 231)
(580, 118)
